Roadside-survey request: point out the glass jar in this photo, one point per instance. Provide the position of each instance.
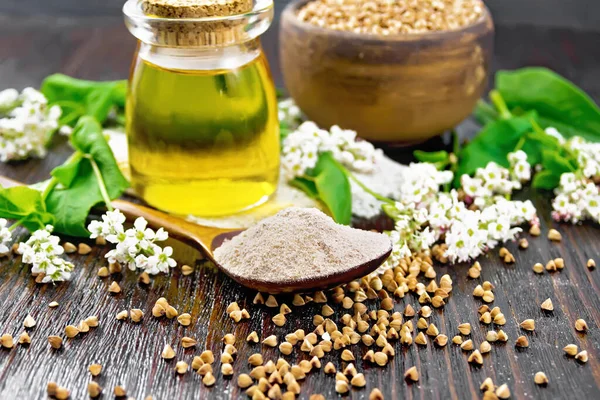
(201, 112)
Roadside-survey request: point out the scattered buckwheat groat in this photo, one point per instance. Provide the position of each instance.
(540, 378)
(554, 235)
(581, 325)
(582, 356)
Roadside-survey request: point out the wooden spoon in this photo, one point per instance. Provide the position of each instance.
(207, 239)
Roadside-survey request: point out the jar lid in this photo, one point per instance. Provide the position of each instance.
(195, 8)
(197, 23)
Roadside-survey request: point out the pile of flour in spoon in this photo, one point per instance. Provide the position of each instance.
(299, 244)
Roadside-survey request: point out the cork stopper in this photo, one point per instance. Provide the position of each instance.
(195, 8)
(188, 33)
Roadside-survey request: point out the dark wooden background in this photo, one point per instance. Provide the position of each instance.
(69, 38)
(574, 14)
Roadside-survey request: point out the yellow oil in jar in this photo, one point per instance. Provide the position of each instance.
(203, 142)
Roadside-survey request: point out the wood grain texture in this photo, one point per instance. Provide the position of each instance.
(130, 353)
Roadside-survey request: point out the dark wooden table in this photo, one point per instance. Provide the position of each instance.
(101, 48)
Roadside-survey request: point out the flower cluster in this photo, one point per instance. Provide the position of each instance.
(577, 199)
(43, 251)
(289, 113)
(135, 247)
(588, 155)
(5, 236)
(302, 147)
(520, 169)
(26, 123)
(577, 195)
(425, 215)
(421, 183)
(495, 180)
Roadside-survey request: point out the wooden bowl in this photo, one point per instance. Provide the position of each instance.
(393, 89)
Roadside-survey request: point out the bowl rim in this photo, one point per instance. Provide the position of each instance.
(289, 15)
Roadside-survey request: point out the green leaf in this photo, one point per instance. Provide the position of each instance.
(329, 183)
(24, 204)
(558, 102)
(556, 163)
(99, 102)
(119, 93)
(71, 205)
(284, 131)
(433, 157)
(79, 191)
(307, 186)
(535, 144)
(67, 172)
(493, 143)
(545, 180)
(485, 113)
(89, 139)
(333, 186)
(79, 97)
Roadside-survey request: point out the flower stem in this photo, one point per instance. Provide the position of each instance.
(537, 128)
(455, 143)
(101, 184)
(51, 184)
(15, 225)
(366, 189)
(500, 105)
(520, 143)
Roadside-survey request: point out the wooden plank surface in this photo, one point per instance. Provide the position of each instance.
(101, 49)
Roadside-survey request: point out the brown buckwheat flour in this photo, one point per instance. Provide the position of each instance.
(298, 244)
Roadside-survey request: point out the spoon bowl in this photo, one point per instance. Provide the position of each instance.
(208, 239)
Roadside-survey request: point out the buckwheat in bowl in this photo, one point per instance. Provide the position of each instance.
(395, 71)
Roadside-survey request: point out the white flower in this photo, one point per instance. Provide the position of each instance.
(26, 122)
(550, 131)
(520, 168)
(144, 237)
(496, 179)
(425, 215)
(588, 155)
(65, 130)
(42, 250)
(135, 247)
(474, 187)
(8, 99)
(161, 235)
(576, 200)
(161, 260)
(422, 183)
(141, 261)
(466, 239)
(423, 240)
(5, 235)
(516, 156)
(111, 227)
(522, 171)
(289, 113)
(301, 149)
